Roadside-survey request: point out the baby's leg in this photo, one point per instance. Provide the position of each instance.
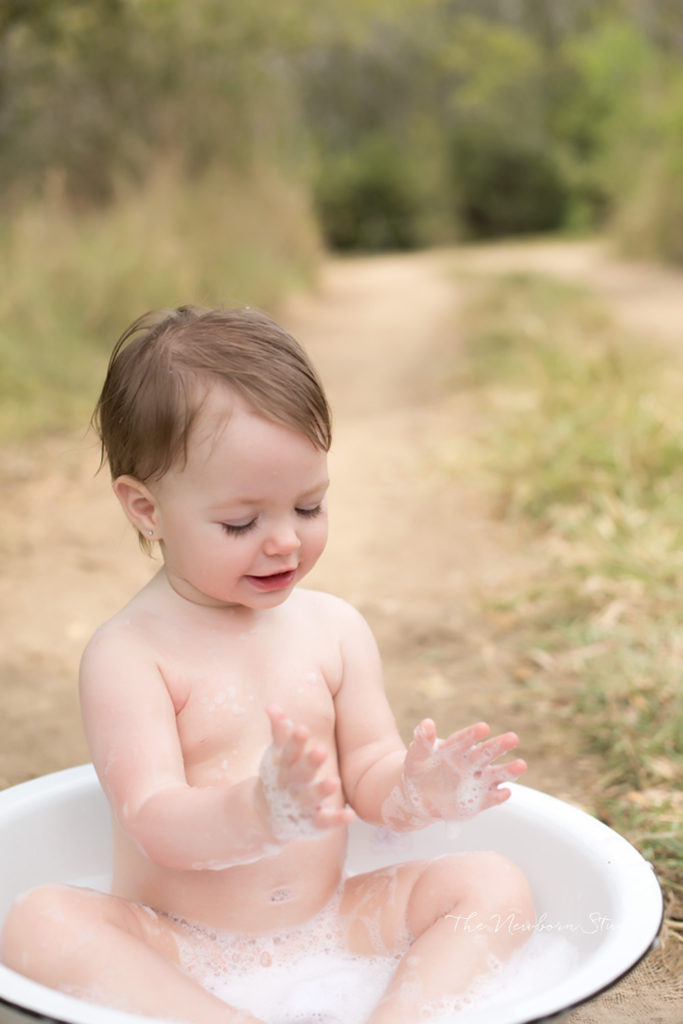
(105, 950)
(454, 913)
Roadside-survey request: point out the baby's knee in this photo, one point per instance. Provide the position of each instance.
(500, 896)
(507, 884)
(36, 927)
(501, 877)
(487, 886)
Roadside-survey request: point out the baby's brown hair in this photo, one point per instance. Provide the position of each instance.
(152, 392)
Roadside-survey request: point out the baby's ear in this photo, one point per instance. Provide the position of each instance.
(139, 504)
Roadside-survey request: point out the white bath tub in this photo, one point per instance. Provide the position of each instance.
(589, 884)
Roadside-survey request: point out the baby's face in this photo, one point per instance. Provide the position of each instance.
(245, 518)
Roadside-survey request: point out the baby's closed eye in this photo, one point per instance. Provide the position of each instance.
(240, 528)
(311, 511)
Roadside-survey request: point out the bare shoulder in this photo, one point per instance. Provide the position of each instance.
(335, 614)
(116, 632)
(320, 603)
(122, 638)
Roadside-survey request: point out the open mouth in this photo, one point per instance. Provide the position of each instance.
(276, 580)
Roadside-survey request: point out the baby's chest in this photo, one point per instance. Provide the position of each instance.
(221, 719)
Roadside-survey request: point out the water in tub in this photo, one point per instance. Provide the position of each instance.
(320, 983)
(305, 976)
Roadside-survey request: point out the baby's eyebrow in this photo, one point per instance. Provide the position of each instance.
(317, 489)
(243, 504)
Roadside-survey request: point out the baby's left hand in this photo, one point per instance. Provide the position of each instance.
(454, 779)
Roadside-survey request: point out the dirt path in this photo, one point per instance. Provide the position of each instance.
(643, 297)
(410, 546)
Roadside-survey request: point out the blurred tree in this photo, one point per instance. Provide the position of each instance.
(370, 101)
(60, 86)
(505, 176)
(93, 91)
(460, 103)
(411, 121)
(620, 130)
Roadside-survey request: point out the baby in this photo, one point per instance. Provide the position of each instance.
(238, 722)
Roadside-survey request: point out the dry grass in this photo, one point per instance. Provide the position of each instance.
(581, 440)
(71, 283)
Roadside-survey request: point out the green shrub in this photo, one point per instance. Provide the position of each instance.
(621, 133)
(365, 200)
(505, 187)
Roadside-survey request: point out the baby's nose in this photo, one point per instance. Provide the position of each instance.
(283, 540)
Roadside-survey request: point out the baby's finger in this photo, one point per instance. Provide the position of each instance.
(295, 744)
(333, 817)
(495, 748)
(495, 797)
(280, 726)
(425, 733)
(464, 739)
(323, 797)
(421, 748)
(508, 772)
(302, 769)
(328, 786)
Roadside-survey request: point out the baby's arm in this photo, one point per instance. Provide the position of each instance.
(450, 779)
(130, 723)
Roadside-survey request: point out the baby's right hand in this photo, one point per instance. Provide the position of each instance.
(300, 803)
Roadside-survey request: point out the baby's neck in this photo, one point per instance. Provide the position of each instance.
(177, 603)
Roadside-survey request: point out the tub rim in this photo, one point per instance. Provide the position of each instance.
(83, 778)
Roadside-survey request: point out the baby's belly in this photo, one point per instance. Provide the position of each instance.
(270, 894)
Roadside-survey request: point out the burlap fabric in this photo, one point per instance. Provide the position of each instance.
(651, 994)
